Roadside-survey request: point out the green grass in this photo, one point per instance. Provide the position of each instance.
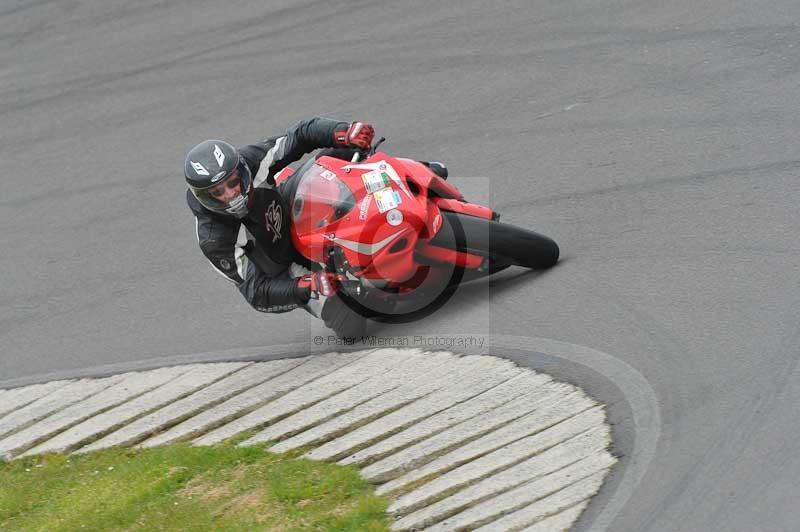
(185, 488)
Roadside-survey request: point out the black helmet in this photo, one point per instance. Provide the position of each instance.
(207, 166)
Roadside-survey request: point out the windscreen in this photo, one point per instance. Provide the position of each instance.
(321, 199)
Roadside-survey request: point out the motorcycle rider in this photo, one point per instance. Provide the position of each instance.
(242, 219)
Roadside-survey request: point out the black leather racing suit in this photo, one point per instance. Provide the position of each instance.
(256, 252)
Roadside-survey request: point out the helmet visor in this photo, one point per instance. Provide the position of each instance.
(227, 195)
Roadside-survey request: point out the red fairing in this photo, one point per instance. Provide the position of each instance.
(379, 214)
(463, 207)
(448, 255)
(283, 175)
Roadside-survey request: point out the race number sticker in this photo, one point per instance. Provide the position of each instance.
(387, 199)
(375, 180)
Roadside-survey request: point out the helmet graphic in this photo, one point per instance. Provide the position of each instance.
(218, 177)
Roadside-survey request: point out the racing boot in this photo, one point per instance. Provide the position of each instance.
(344, 321)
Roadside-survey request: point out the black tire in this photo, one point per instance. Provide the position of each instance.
(501, 242)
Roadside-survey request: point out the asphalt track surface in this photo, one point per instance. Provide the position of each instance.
(656, 142)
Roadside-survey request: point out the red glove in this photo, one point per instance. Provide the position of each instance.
(358, 135)
(318, 284)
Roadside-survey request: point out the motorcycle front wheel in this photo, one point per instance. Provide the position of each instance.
(501, 242)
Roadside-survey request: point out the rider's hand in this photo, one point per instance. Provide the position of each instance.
(318, 284)
(358, 135)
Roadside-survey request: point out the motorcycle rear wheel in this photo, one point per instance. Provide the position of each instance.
(500, 242)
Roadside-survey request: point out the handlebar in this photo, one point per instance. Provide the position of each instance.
(363, 154)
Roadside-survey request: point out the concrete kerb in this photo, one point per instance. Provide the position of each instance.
(635, 389)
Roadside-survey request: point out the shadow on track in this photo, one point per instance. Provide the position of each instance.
(469, 292)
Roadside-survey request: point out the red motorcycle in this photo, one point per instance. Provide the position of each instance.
(396, 232)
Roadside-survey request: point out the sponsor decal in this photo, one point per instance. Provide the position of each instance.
(375, 181)
(364, 207)
(199, 169)
(218, 155)
(387, 199)
(327, 174)
(394, 217)
(217, 177)
(274, 219)
(437, 222)
(382, 167)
